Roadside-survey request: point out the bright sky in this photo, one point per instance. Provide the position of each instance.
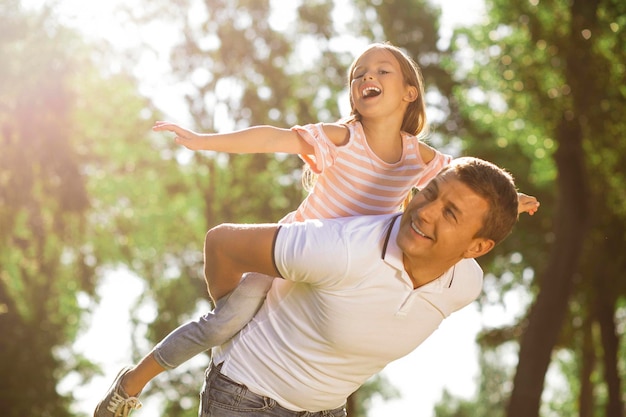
(448, 359)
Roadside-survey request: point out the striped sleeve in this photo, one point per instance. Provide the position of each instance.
(324, 150)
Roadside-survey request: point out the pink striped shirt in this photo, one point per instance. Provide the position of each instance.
(352, 180)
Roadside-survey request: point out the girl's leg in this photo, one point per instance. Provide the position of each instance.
(231, 314)
(134, 381)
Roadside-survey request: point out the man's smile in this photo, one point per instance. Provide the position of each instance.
(419, 231)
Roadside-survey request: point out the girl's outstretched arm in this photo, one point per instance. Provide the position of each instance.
(257, 139)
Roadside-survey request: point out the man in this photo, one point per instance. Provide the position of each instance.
(357, 292)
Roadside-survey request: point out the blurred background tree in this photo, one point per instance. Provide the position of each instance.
(86, 192)
(544, 98)
(43, 205)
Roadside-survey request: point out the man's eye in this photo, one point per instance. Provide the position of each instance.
(449, 213)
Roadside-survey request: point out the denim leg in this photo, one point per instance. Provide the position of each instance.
(216, 327)
(223, 397)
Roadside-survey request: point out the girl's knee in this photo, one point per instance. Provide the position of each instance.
(217, 265)
(210, 239)
(211, 246)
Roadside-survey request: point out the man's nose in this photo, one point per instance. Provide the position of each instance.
(428, 211)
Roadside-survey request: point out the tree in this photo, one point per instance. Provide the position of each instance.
(43, 205)
(73, 175)
(548, 101)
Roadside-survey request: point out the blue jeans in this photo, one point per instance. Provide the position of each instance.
(232, 313)
(223, 397)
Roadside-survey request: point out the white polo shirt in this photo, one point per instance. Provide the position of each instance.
(345, 309)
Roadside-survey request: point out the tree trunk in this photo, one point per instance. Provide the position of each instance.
(547, 313)
(605, 308)
(550, 307)
(585, 398)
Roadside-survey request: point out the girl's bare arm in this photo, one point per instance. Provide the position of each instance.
(257, 139)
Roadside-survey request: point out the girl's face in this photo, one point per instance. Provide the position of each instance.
(377, 87)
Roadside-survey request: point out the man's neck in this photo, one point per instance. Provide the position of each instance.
(420, 274)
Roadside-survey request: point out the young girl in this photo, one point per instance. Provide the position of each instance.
(366, 165)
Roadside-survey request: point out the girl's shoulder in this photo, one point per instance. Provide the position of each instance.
(337, 133)
(426, 152)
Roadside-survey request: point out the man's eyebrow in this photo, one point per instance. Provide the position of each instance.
(448, 203)
(434, 184)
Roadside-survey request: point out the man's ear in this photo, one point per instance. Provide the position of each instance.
(411, 94)
(479, 247)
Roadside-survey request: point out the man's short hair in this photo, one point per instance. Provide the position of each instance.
(495, 185)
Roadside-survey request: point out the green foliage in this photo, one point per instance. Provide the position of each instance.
(43, 204)
(47, 260)
(82, 188)
(493, 387)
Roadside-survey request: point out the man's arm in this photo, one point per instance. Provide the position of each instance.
(232, 249)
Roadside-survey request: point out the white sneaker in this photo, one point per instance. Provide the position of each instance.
(116, 403)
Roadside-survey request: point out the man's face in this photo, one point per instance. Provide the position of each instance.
(440, 224)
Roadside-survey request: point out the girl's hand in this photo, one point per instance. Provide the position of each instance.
(527, 203)
(185, 137)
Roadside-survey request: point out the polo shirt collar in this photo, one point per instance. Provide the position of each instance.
(392, 255)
